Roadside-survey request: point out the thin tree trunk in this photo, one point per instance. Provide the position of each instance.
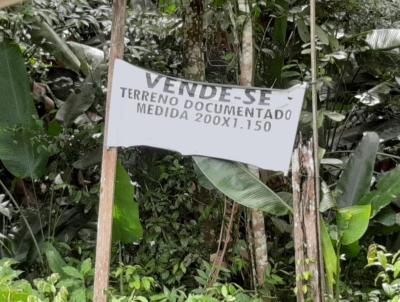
(260, 245)
(231, 211)
(308, 273)
(246, 79)
(193, 41)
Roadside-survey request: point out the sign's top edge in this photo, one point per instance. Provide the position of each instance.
(300, 85)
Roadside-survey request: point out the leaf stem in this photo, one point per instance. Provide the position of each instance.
(23, 218)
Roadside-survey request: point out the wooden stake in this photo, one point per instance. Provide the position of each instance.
(5, 3)
(315, 131)
(109, 162)
(306, 229)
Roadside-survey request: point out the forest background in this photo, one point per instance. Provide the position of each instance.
(177, 235)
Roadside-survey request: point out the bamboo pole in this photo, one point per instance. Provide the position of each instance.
(109, 161)
(315, 137)
(5, 3)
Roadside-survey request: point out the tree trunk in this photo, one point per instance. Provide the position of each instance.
(260, 245)
(193, 41)
(246, 79)
(308, 273)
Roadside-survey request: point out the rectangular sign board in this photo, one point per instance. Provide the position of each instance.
(256, 126)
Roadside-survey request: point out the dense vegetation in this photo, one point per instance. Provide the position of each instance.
(171, 224)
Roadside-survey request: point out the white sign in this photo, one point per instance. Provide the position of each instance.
(250, 125)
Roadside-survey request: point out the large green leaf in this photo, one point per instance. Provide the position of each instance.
(384, 39)
(21, 154)
(13, 294)
(54, 259)
(16, 105)
(356, 178)
(90, 57)
(237, 182)
(387, 217)
(302, 29)
(77, 103)
(43, 33)
(126, 224)
(353, 222)
(80, 100)
(387, 190)
(21, 151)
(330, 258)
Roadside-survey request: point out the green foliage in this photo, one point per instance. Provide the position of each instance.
(76, 280)
(78, 102)
(50, 291)
(330, 258)
(12, 289)
(358, 80)
(126, 224)
(388, 276)
(237, 182)
(21, 150)
(356, 178)
(175, 223)
(42, 32)
(387, 190)
(132, 283)
(352, 223)
(54, 259)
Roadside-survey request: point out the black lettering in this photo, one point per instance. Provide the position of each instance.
(174, 113)
(248, 92)
(145, 94)
(159, 110)
(278, 114)
(204, 90)
(123, 91)
(268, 114)
(152, 83)
(153, 96)
(150, 109)
(189, 90)
(163, 99)
(198, 117)
(216, 120)
(264, 98)
(199, 106)
(141, 108)
(223, 94)
(167, 84)
(229, 110)
(136, 94)
(225, 121)
(249, 111)
(184, 115)
(188, 104)
(258, 126)
(239, 111)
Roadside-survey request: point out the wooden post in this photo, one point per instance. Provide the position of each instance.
(306, 229)
(108, 168)
(314, 98)
(5, 3)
